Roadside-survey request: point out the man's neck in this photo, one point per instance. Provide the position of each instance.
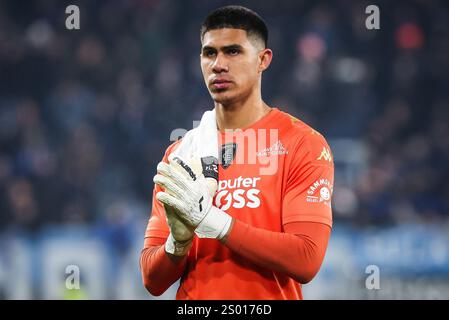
(241, 114)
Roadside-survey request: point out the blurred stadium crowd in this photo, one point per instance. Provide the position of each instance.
(85, 115)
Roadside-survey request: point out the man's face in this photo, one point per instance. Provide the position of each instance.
(230, 63)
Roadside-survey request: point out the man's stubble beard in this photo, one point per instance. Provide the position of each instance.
(229, 101)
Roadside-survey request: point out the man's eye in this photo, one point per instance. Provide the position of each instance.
(233, 52)
(209, 53)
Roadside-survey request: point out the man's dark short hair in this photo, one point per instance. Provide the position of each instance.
(236, 17)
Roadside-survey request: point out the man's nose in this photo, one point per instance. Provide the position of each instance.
(220, 65)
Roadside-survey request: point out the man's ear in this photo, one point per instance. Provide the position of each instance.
(265, 57)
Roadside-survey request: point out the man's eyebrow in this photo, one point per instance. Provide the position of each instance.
(232, 46)
(206, 48)
(224, 48)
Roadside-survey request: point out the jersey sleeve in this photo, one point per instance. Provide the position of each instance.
(157, 227)
(310, 179)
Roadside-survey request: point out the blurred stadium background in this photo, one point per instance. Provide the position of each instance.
(85, 115)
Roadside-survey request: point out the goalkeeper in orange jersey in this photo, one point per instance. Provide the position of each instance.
(259, 236)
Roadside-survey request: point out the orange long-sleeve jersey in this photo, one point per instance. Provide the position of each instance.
(280, 200)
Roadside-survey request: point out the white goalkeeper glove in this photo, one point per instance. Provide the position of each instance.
(188, 193)
(180, 238)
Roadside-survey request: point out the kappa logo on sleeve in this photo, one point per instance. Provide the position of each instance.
(320, 191)
(325, 155)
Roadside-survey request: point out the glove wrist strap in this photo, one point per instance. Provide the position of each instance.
(177, 248)
(215, 224)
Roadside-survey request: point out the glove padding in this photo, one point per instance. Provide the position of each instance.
(178, 229)
(181, 235)
(180, 238)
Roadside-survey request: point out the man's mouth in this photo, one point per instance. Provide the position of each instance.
(220, 83)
